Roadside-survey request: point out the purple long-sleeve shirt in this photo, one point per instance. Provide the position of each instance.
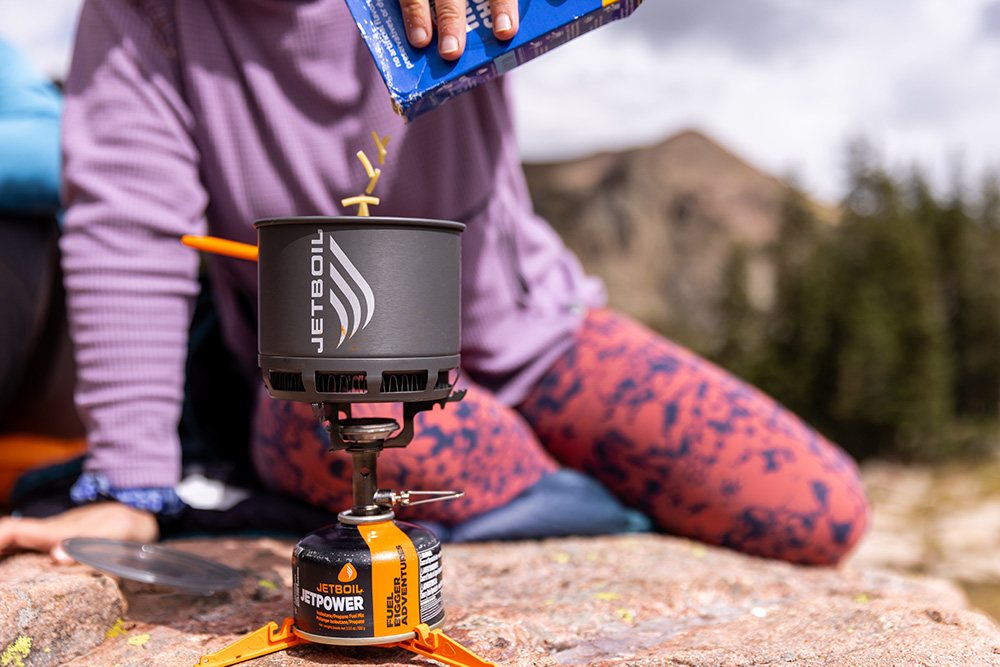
(195, 116)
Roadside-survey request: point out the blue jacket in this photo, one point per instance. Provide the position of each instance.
(30, 157)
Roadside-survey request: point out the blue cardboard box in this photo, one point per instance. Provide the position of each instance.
(420, 80)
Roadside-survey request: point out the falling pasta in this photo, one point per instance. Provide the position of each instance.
(381, 143)
(367, 164)
(373, 173)
(363, 201)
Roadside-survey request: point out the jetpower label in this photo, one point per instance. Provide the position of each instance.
(338, 605)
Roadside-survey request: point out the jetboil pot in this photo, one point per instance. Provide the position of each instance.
(360, 310)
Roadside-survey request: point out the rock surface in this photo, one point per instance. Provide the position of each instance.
(613, 601)
(50, 614)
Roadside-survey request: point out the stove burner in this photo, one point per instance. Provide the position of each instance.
(341, 320)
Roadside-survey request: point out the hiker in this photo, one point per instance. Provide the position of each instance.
(201, 116)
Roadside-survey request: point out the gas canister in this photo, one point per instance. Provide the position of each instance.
(365, 583)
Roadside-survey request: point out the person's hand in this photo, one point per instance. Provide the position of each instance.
(451, 23)
(107, 519)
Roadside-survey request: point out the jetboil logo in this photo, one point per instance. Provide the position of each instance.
(347, 284)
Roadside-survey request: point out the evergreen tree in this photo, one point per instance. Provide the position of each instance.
(885, 329)
(968, 271)
(893, 386)
(739, 322)
(796, 360)
(975, 261)
(989, 205)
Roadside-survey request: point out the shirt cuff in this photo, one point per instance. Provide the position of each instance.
(92, 487)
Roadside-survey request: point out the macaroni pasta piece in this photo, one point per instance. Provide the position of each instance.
(381, 143)
(373, 173)
(373, 181)
(367, 163)
(361, 201)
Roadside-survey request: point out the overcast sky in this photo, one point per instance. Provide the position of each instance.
(783, 83)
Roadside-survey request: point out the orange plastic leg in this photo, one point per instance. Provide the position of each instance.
(436, 645)
(268, 639)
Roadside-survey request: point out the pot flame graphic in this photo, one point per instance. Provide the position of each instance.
(350, 320)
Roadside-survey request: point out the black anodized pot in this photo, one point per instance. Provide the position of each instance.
(359, 309)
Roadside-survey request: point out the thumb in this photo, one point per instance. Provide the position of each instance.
(60, 556)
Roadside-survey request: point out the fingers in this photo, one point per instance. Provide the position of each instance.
(6, 536)
(417, 19)
(505, 18)
(451, 28)
(25, 534)
(107, 519)
(451, 23)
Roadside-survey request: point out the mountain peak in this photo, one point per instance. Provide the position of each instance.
(660, 223)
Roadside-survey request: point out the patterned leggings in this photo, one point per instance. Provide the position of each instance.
(700, 452)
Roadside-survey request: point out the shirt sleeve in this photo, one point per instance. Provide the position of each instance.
(132, 189)
(30, 108)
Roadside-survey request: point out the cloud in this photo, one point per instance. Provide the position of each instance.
(749, 28)
(991, 19)
(784, 83)
(42, 29)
